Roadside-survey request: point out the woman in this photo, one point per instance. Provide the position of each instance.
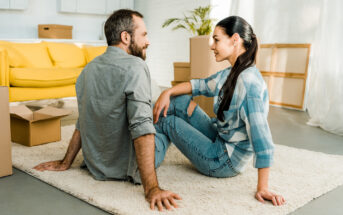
(222, 146)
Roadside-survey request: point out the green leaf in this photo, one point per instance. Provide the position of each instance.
(179, 26)
(197, 21)
(169, 21)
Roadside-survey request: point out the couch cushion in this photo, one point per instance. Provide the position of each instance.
(66, 55)
(36, 54)
(53, 77)
(93, 51)
(16, 59)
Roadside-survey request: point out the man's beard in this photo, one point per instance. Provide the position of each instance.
(137, 51)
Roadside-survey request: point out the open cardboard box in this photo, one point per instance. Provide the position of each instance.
(33, 128)
(5, 134)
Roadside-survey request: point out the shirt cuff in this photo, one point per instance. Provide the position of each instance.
(142, 129)
(263, 161)
(77, 125)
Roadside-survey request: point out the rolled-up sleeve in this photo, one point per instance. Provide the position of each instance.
(77, 125)
(138, 100)
(207, 86)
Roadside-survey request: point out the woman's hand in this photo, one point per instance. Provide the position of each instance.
(162, 103)
(262, 195)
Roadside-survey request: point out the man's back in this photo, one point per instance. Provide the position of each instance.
(114, 102)
(115, 116)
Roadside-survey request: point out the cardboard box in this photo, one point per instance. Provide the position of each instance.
(203, 61)
(33, 128)
(5, 134)
(182, 71)
(173, 83)
(206, 103)
(55, 31)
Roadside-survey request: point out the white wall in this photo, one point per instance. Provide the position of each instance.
(274, 21)
(220, 9)
(23, 24)
(291, 21)
(167, 46)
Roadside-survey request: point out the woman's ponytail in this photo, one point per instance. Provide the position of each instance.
(231, 25)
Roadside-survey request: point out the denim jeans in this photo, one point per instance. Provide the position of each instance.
(195, 137)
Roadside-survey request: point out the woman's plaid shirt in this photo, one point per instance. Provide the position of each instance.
(245, 129)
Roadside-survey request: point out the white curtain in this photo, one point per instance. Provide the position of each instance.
(325, 92)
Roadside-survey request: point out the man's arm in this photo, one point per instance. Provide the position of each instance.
(61, 165)
(139, 114)
(145, 154)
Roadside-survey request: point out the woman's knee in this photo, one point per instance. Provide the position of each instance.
(184, 103)
(191, 108)
(183, 99)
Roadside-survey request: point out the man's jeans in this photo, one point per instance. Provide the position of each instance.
(194, 136)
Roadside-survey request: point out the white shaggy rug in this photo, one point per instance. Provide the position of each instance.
(299, 175)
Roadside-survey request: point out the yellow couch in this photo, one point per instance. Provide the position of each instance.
(44, 70)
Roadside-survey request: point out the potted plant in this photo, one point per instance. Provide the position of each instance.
(199, 23)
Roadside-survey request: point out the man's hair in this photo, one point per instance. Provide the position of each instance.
(119, 21)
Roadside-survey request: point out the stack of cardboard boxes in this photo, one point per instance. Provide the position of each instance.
(202, 65)
(182, 73)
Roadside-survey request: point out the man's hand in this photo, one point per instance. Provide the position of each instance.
(145, 155)
(61, 165)
(52, 166)
(262, 195)
(159, 197)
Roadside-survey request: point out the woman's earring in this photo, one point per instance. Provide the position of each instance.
(234, 45)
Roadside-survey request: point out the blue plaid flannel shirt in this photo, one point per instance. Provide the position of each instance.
(245, 129)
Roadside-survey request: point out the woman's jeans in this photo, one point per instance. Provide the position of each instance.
(194, 136)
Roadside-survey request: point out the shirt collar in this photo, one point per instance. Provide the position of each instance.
(114, 49)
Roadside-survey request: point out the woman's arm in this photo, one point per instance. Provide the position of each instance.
(263, 175)
(163, 100)
(180, 89)
(262, 192)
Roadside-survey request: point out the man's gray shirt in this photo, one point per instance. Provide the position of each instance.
(114, 102)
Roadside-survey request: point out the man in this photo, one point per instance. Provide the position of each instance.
(115, 115)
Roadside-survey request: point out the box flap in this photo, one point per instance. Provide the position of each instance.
(49, 113)
(21, 112)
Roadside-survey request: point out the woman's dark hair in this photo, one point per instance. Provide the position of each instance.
(119, 21)
(232, 25)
